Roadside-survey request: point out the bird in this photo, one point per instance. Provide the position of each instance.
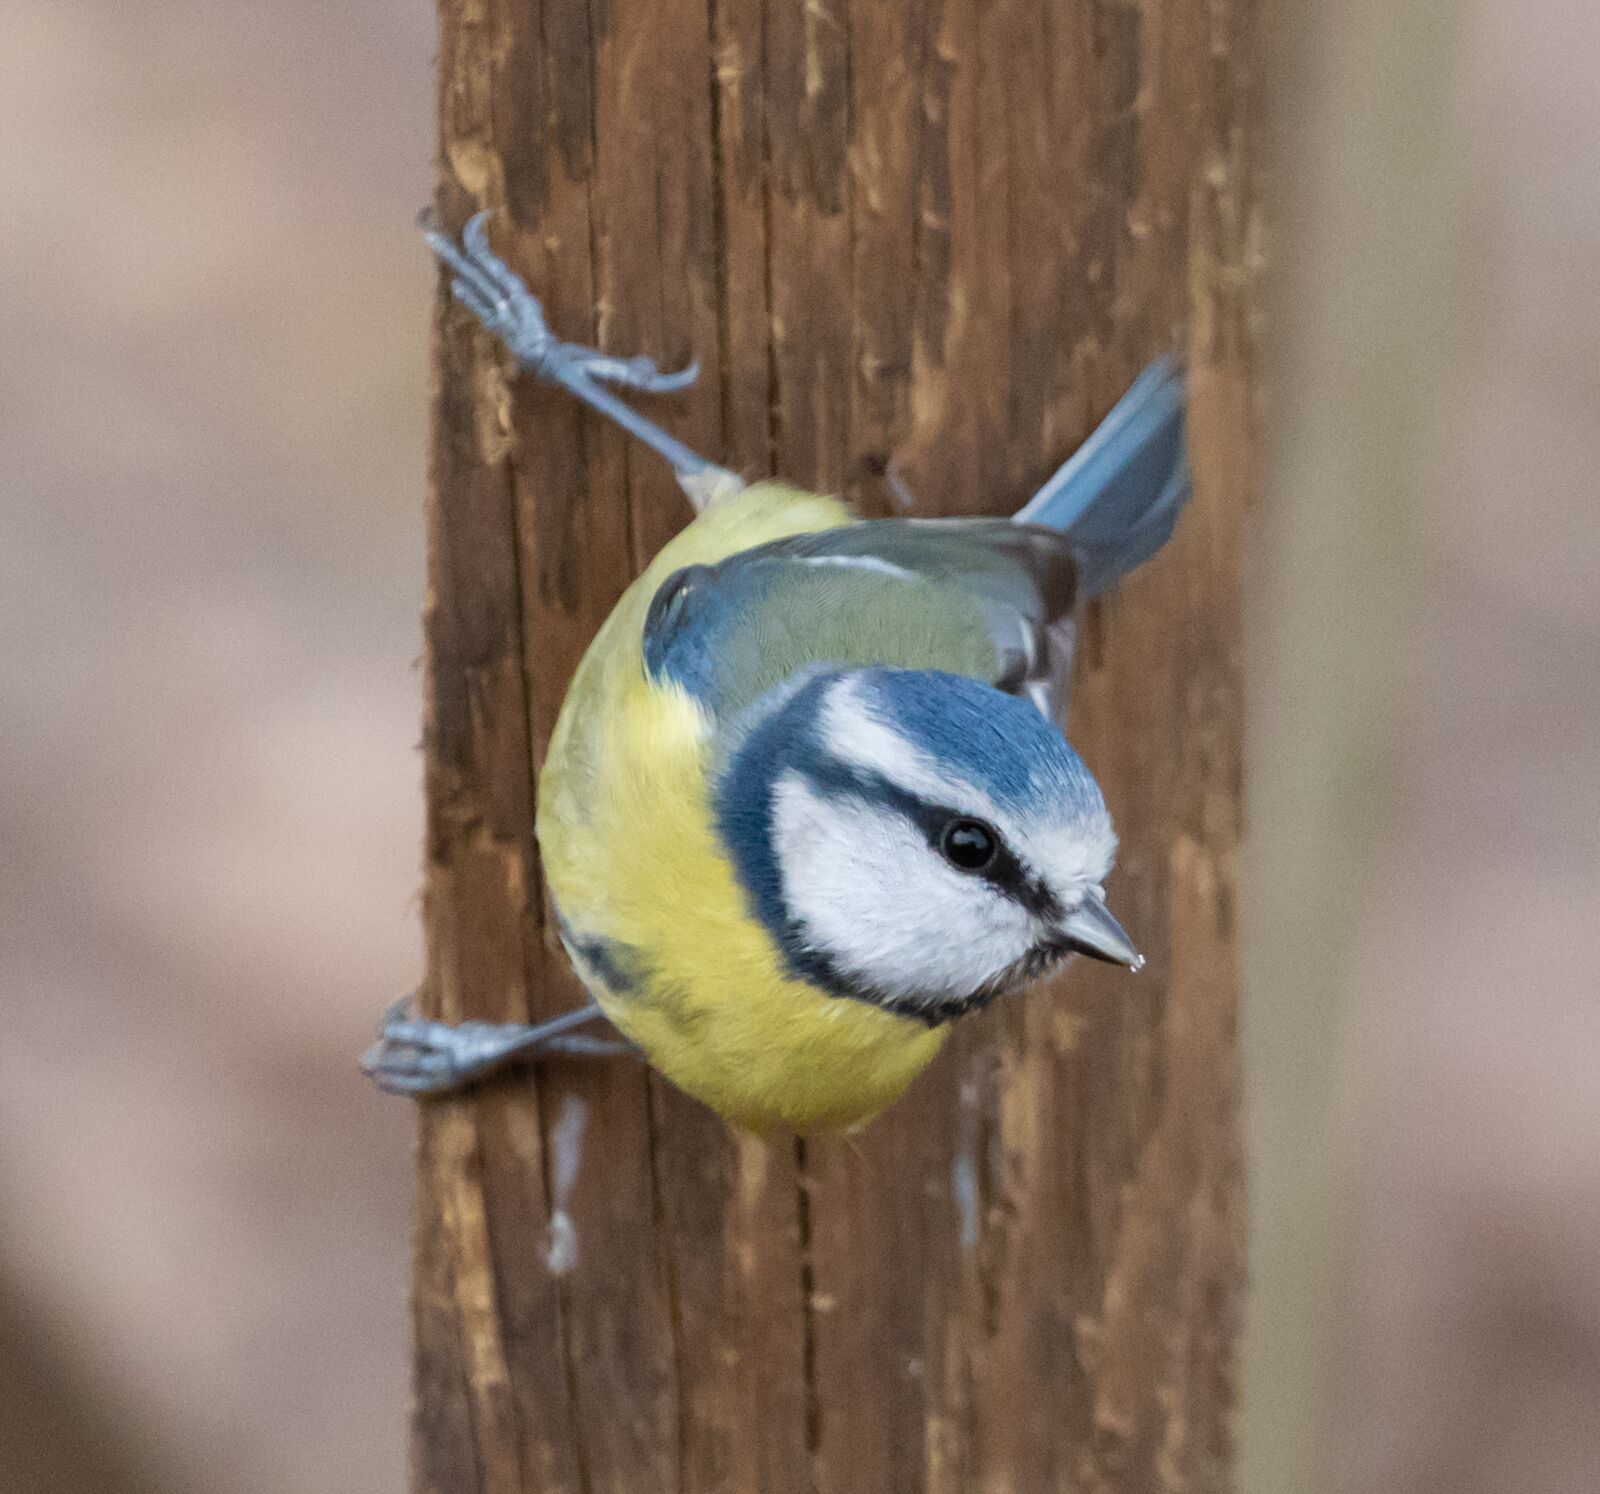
(806, 802)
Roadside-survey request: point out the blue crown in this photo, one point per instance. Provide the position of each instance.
(996, 742)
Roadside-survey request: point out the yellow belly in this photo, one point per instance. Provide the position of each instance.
(625, 828)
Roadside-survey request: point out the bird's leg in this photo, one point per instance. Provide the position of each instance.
(414, 1056)
(496, 295)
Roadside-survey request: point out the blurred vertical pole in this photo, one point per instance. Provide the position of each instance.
(945, 237)
(1369, 312)
(1426, 765)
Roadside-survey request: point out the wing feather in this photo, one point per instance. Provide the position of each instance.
(987, 598)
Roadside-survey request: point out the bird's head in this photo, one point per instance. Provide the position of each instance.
(916, 839)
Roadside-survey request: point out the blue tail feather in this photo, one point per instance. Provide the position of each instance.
(1118, 496)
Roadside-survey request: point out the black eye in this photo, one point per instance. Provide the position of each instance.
(968, 844)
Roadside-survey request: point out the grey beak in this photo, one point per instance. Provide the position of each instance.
(1090, 929)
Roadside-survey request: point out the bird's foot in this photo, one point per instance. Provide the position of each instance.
(494, 293)
(414, 1056)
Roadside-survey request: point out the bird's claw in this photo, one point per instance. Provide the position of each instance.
(417, 1056)
(494, 293)
(414, 1056)
(633, 373)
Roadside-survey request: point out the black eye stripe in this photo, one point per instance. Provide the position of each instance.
(1004, 871)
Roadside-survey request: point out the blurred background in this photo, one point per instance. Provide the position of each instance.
(1422, 947)
(213, 306)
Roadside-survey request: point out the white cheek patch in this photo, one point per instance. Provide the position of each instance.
(868, 891)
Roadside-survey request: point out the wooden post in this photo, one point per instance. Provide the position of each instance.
(935, 241)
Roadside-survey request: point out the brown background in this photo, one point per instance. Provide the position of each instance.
(213, 420)
(213, 307)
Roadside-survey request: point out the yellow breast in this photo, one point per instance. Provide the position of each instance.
(626, 832)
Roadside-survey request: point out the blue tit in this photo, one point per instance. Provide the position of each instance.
(806, 803)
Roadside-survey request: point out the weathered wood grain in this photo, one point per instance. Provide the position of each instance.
(917, 247)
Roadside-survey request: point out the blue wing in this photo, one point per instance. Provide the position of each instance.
(975, 597)
(987, 598)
